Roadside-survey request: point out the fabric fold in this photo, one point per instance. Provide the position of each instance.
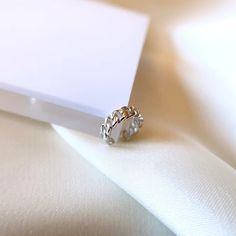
(187, 187)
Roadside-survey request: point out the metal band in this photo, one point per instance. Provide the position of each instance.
(130, 120)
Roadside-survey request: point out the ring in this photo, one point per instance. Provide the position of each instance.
(122, 123)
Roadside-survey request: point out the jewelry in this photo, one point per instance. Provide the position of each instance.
(122, 123)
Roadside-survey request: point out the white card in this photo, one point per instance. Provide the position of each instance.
(77, 55)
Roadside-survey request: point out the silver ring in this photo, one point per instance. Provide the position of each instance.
(122, 123)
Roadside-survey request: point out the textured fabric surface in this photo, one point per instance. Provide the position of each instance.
(48, 189)
(182, 183)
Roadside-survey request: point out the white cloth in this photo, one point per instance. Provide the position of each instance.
(181, 167)
(47, 189)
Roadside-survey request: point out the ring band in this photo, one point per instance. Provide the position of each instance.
(122, 123)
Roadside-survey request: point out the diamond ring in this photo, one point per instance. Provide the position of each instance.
(122, 123)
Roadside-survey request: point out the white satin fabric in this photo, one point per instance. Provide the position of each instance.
(181, 167)
(47, 189)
